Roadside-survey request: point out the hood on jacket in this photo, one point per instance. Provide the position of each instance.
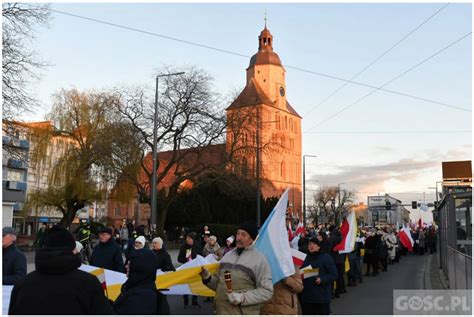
(143, 265)
(56, 261)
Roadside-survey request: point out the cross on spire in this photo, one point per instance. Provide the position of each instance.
(265, 18)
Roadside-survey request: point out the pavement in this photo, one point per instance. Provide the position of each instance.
(373, 297)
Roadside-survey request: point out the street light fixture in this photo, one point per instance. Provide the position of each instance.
(304, 188)
(155, 126)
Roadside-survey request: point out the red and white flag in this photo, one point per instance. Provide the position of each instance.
(349, 234)
(299, 229)
(406, 239)
(298, 257)
(290, 232)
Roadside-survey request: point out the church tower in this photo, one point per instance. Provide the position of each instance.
(262, 113)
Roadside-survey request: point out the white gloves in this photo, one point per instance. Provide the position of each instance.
(235, 298)
(204, 274)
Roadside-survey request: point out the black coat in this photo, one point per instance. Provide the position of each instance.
(108, 256)
(57, 287)
(336, 238)
(164, 260)
(14, 265)
(139, 294)
(195, 251)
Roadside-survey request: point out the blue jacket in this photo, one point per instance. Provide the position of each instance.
(313, 293)
(108, 256)
(14, 265)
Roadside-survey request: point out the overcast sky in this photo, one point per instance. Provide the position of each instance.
(335, 40)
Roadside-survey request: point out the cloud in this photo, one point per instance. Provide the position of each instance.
(366, 179)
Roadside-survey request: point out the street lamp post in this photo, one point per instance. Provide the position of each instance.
(339, 195)
(155, 127)
(304, 187)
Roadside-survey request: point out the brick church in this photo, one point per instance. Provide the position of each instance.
(262, 113)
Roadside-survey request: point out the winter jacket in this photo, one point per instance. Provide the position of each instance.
(319, 294)
(164, 260)
(381, 247)
(14, 265)
(251, 275)
(216, 250)
(284, 300)
(57, 287)
(108, 255)
(139, 294)
(195, 251)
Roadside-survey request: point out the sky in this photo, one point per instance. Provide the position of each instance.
(336, 40)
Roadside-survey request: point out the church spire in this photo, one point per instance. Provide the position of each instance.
(265, 39)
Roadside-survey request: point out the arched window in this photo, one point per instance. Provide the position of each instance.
(277, 121)
(282, 169)
(282, 141)
(286, 122)
(291, 124)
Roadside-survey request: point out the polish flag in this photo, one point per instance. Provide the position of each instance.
(298, 257)
(290, 232)
(406, 239)
(349, 233)
(299, 229)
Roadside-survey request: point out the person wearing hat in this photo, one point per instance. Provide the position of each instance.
(188, 252)
(229, 244)
(251, 277)
(139, 294)
(57, 286)
(14, 261)
(107, 253)
(316, 295)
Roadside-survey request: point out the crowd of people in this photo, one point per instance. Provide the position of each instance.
(242, 285)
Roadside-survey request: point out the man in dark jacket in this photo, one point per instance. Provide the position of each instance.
(335, 239)
(188, 252)
(107, 254)
(57, 287)
(14, 261)
(139, 293)
(316, 295)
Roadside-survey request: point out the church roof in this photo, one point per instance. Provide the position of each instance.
(254, 95)
(250, 96)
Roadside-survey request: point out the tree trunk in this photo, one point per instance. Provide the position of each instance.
(68, 217)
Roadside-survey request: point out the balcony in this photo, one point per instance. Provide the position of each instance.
(18, 164)
(12, 185)
(9, 141)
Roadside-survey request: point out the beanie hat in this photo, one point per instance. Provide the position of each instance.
(192, 235)
(58, 237)
(230, 239)
(315, 240)
(105, 230)
(141, 239)
(250, 227)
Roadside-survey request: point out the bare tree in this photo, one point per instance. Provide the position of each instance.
(190, 135)
(335, 203)
(20, 64)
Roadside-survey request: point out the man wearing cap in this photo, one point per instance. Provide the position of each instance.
(250, 277)
(107, 253)
(14, 261)
(57, 286)
(188, 252)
